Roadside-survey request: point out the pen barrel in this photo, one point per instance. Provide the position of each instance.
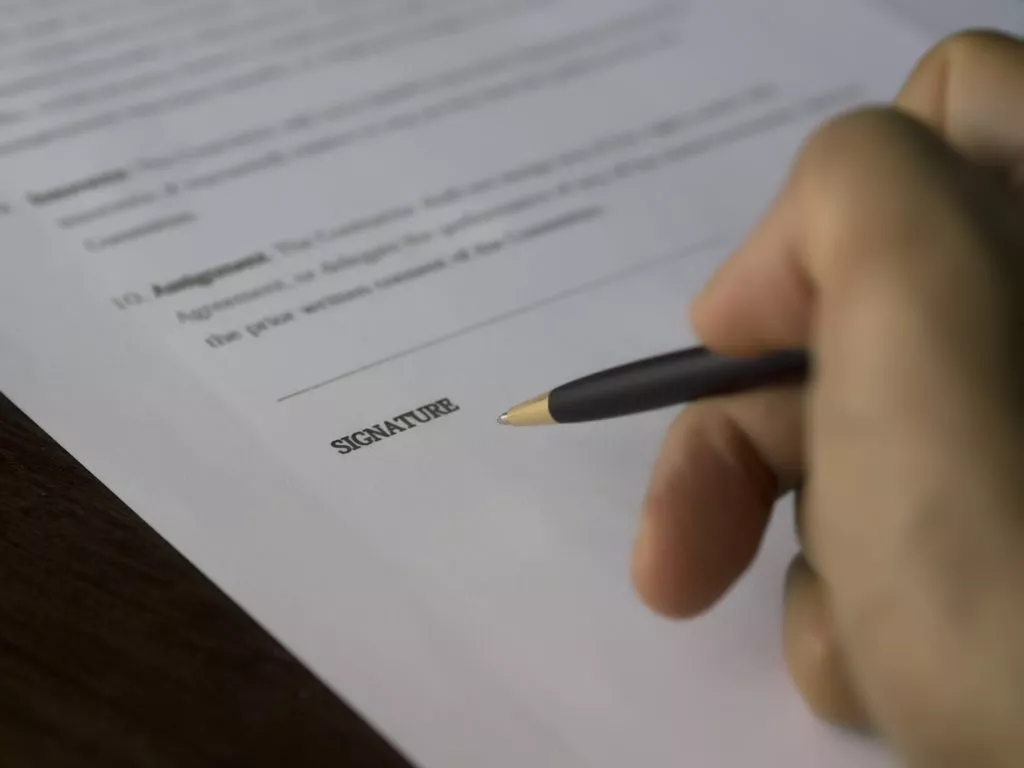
(669, 380)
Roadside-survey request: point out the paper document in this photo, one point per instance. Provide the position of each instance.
(271, 270)
(949, 16)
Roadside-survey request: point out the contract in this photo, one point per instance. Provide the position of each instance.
(947, 16)
(272, 269)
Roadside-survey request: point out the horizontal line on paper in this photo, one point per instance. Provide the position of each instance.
(687, 252)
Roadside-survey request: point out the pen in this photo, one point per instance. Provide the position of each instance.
(657, 382)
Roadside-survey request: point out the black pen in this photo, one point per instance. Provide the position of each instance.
(657, 382)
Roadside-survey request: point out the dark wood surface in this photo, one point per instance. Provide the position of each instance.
(115, 651)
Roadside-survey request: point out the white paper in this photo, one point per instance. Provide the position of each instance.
(945, 17)
(213, 215)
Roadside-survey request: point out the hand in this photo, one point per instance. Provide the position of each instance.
(895, 253)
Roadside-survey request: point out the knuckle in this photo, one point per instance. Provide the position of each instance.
(842, 141)
(966, 43)
(842, 165)
(955, 88)
(867, 177)
(930, 77)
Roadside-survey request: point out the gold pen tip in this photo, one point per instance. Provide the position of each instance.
(528, 414)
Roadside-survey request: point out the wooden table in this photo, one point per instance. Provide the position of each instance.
(115, 651)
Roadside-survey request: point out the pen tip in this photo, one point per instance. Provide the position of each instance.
(527, 414)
